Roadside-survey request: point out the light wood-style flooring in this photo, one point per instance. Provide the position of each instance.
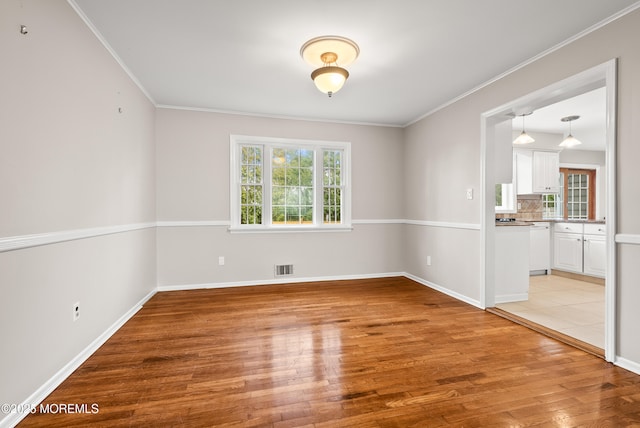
(368, 353)
(569, 306)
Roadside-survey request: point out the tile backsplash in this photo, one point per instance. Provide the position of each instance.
(530, 208)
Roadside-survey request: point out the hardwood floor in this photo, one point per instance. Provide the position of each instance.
(369, 353)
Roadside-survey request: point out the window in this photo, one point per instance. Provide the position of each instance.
(281, 184)
(506, 192)
(576, 200)
(505, 200)
(552, 205)
(579, 193)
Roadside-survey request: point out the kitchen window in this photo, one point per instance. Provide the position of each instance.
(552, 205)
(576, 200)
(505, 198)
(283, 185)
(579, 186)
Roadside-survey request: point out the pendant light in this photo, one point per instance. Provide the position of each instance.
(523, 138)
(570, 141)
(325, 52)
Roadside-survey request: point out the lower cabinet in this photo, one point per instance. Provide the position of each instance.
(595, 255)
(567, 252)
(580, 248)
(540, 247)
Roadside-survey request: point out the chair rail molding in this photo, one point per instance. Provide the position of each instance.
(12, 243)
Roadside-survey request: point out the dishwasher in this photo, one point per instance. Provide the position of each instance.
(540, 248)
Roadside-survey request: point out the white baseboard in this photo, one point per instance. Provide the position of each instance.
(288, 280)
(12, 419)
(632, 366)
(280, 280)
(444, 290)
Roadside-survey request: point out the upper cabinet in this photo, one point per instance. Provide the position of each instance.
(537, 171)
(546, 172)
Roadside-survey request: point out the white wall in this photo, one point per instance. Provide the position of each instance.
(70, 163)
(442, 160)
(436, 173)
(193, 186)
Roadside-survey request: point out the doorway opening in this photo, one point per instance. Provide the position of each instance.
(602, 76)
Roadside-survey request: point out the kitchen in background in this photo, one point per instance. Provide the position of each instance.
(563, 287)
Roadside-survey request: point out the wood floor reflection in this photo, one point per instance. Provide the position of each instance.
(382, 352)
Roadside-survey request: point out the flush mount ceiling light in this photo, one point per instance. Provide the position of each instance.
(523, 138)
(570, 141)
(326, 52)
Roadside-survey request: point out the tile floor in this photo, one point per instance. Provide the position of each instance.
(572, 307)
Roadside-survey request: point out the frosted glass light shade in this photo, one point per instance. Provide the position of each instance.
(570, 141)
(329, 79)
(523, 138)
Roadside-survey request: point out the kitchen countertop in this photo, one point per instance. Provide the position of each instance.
(526, 222)
(575, 221)
(513, 223)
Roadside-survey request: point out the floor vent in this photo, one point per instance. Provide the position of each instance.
(282, 270)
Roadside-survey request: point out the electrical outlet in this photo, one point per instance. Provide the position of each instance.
(428, 260)
(76, 311)
(221, 261)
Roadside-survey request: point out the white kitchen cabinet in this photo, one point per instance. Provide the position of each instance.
(540, 247)
(524, 171)
(568, 228)
(567, 252)
(537, 172)
(580, 248)
(595, 255)
(594, 250)
(546, 172)
(595, 229)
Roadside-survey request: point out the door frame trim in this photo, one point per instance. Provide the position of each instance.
(603, 75)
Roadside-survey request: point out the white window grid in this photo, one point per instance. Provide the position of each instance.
(577, 196)
(330, 182)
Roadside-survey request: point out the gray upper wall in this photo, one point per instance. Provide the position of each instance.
(71, 160)
(442, 158)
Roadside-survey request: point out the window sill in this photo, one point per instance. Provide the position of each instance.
(290, 229)
(506, 211)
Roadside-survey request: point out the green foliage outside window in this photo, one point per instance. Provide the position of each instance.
(251, 185)
(293, 184)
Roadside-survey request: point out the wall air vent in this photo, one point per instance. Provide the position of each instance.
(282, 270)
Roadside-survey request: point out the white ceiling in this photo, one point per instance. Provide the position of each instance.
(590, 128)
(415, 55)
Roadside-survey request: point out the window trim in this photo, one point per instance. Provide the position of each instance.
(559, 206)
(509, 196)
(236, 141)
(591, 190)
(508, 199)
